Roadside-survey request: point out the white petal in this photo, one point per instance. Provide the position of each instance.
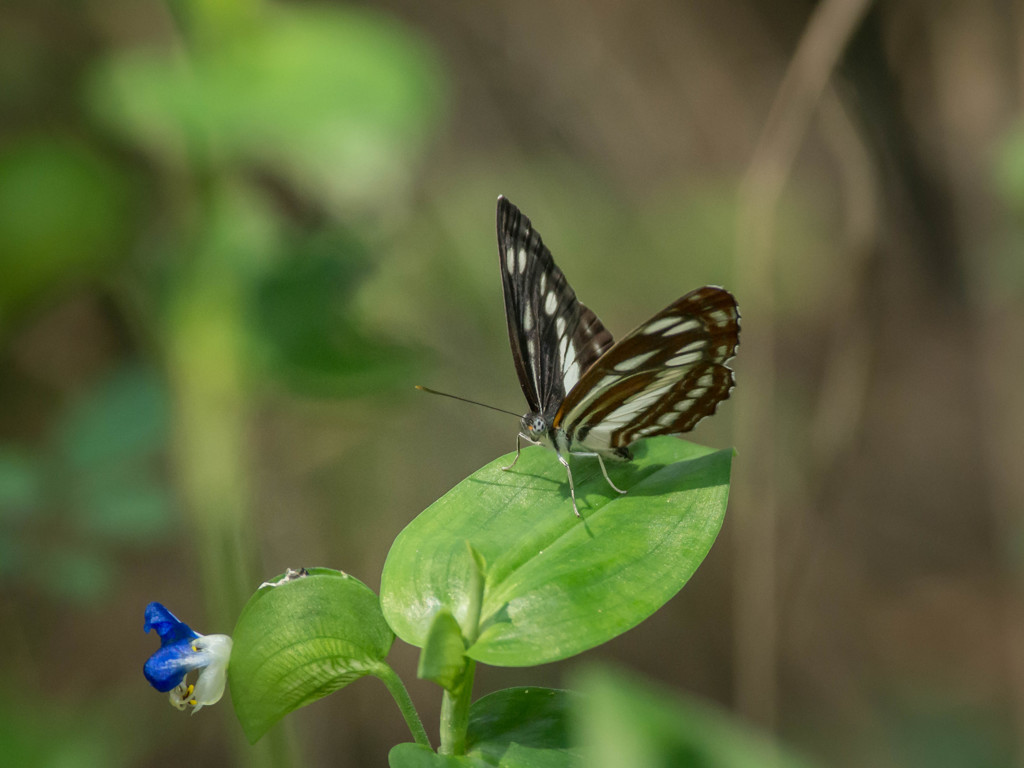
(213, 677)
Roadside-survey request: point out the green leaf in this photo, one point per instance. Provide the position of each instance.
(513, 728)
(556, 586)
(525, 727)
(477, 582)
(443, 657)
(617, 721)
(418, 756)
(300, 640)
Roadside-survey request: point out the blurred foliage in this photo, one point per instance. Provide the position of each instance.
(1007, 272)
(66, 211)
(337, 101)
(279, 132)
(1008, 168)
(93, 486)
(225, 188)
(86, 740)
(306, 329)
(620, 721)
(941, 732)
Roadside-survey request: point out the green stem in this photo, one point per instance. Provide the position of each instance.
(455, 714)
(207, 369)
(401, 696)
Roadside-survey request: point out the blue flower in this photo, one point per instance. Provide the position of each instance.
(183, 650)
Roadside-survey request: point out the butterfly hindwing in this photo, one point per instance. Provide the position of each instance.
(660, 379)
(554, 337)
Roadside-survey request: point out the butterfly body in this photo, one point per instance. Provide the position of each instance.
(590, 396)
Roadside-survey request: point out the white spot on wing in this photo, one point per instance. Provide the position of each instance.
(527, 320)
(633, 363)
(720, 316)
(550, 303)
(637, 403)
(521, 263)
(591, 394)
(571, 377)
(543, 281)
(667, 419)
(560, 325)
(686, 359)
(510, 260)
(570, 370)
(683, 327)
(659, 325)
(646, 400)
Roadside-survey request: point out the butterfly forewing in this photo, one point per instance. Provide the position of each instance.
(554, 337)
(662, 378)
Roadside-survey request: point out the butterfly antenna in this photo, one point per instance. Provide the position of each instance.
(466, 400)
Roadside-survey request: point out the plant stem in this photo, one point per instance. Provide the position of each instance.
(455, 714)
(756, 507)
(401, 696)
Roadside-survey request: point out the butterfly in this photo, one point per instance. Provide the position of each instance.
(589, 395)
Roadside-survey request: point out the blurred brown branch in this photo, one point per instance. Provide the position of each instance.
(756, 612)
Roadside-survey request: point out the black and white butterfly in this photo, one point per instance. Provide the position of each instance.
(588, 395)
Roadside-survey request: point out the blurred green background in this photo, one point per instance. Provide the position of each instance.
(233, 235)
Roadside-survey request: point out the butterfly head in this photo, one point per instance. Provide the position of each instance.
(534, 426)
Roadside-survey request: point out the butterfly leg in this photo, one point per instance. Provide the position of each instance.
(572, 489)
(519, 439)
(604, 471)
